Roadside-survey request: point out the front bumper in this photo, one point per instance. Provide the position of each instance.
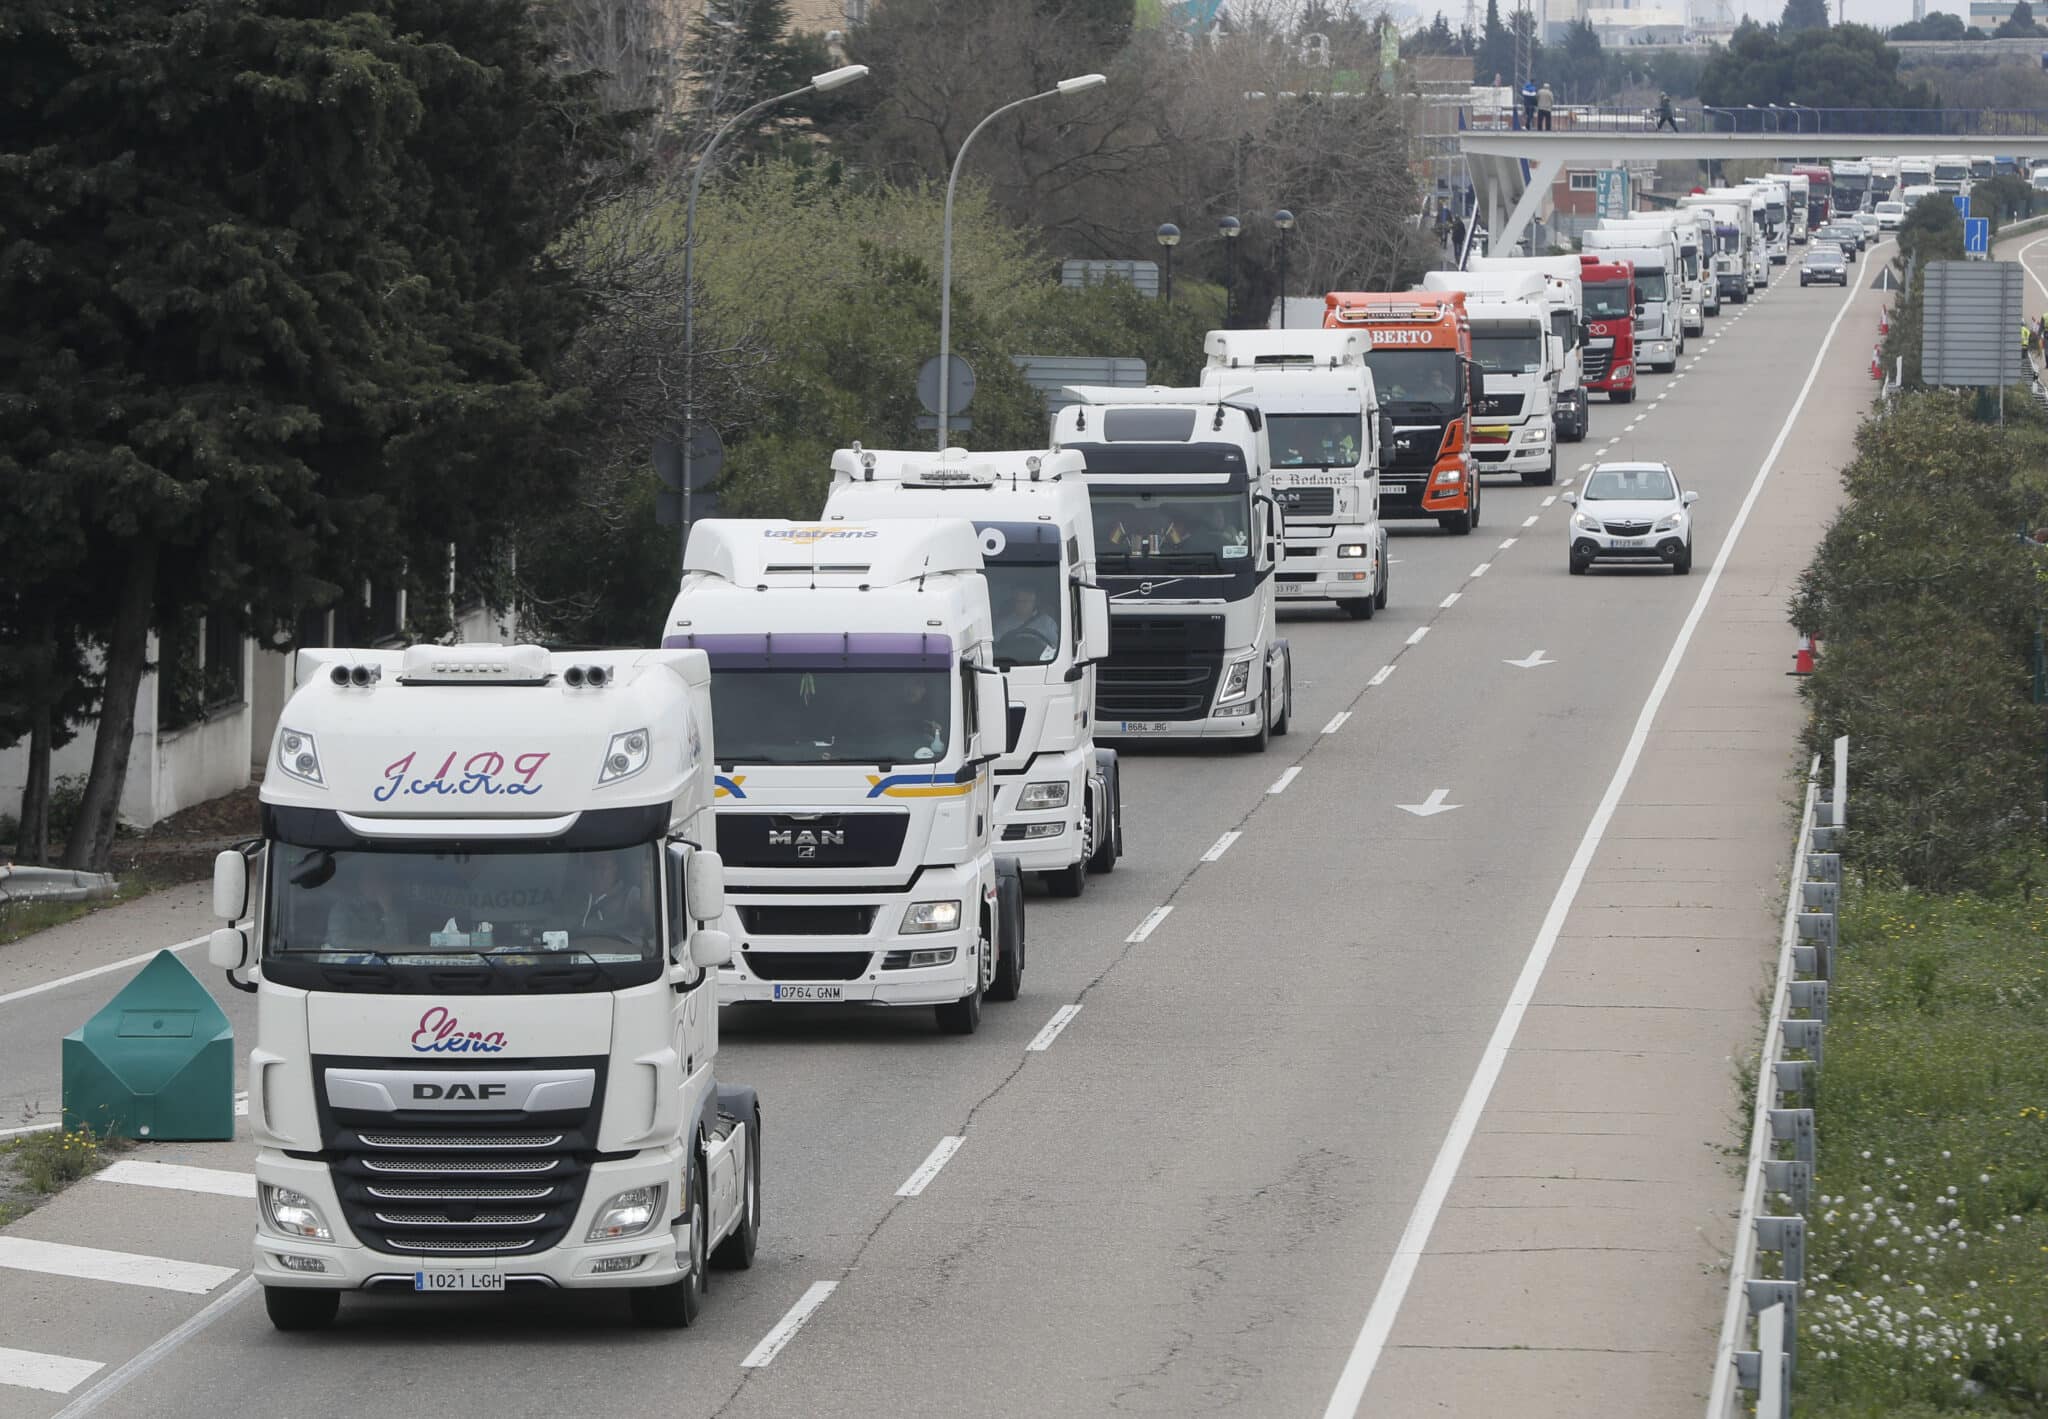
(1522, 453)
(1242, 722)
(1404, 499)
(854, 967)
(1043, 839)
(349, 1266)
(1656, 352)
(1663, 547)
(1822, 278)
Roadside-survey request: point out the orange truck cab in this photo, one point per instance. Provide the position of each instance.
(1421, 360)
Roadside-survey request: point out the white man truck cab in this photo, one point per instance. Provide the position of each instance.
(1187, 541)
(853, 672)
(1059, 795)
(481, 926)
(1327, 436)
(1565, 298)
(1659, 320)
(1514, 423)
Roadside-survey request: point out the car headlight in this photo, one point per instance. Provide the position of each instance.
(931, 916)
(299, 757)
(1236, 681)
(1450, 476)
(294, 1214)
(1043, 795)
(1670, 524)
(627, 1215)
(1538, 436)
(625, 756)
(1351, 549)
(1585, 522)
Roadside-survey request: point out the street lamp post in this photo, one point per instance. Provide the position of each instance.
(1080, 83)
(1228, 228)
(1169, 237)
(1284, 220)
(820, 83)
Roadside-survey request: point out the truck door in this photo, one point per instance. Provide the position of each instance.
(694, 1021)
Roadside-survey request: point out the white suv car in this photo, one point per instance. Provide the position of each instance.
(1631, 512)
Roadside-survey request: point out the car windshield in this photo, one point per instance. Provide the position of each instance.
(1607, 300)
(1633, 485)
(1824, 257)
(1175, 531)
(1425, 377)
(343, 906)
(1025, 601)
(826, 716)
(1315, 440)
(1508, 349)
(1890, 209)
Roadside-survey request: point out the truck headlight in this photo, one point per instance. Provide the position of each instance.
(1624, 371)
(931, 916)
(299, 757)
(625, 756)
(1450, 476)
(294, 1214)
(1236, 681)
(1044, 795)
(1351, 549)
(627, 1215)
(1538, 436)
(1692, 312)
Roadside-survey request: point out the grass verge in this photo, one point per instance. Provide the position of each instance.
(25, 918)
(37, 1166)
(1927, 1252)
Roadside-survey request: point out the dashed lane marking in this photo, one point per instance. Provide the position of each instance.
(785, 1329)
(1415, 636)
(1336, 723)
(917, 1182)
(1379, 676)
(1064, 1016)
(1449, 601)
(1287, 775)
(1150, 924)
(124, 1268)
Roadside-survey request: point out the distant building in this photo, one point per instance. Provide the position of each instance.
(1988, 15)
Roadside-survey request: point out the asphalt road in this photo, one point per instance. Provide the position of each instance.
(1185, 1202)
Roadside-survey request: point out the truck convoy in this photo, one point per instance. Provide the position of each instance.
(1514, 426)
(1687, 227)
(855, 681)
(1187, 541)
(1739, 266)
(1421, 359)
(1315, 391)
(1610, 291)
(1652, 254)
(1773, 222)
(482, 926)
(1566, 303)
(1798, 203)
(1059, 797)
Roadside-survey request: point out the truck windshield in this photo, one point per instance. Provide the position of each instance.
(1608, 300)
(1179, 531)
(825, 716)
(1418, 377)
(1315, 440)
(1024, 598)
(1508, 349)
(413, 907)
(1950, 172)
(1650, 287)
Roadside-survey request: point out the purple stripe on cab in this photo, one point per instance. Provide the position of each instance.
(814, 650)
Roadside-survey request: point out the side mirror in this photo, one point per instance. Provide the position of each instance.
(1641, 308)
(1569, 496)
(1556, 351)
(704, 886)
(710, 948)
(1094, 624)
(1386, 440)
(1690, 498)
(230, 885)
(992, 713)
(227, 947)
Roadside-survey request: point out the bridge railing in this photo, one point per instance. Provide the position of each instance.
(1787, 119)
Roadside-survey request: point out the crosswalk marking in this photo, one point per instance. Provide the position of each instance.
(124, 1268)
(178, 1177)
(53, 1374)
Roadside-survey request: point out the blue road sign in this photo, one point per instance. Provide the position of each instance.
(1962, 201)
(1977, 236)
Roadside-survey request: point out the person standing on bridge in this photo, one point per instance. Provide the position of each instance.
(1545, 100)
(1665, 117)
(1529, 104)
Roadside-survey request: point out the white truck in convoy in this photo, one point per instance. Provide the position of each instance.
(1682, 228)
(1327, 437)
(1514, 423)
(1059, 796)
(1565, 297)
(1187, 542)
(1660, 301)
(1737, 265)
(1774, 217)
(861, 707)
(1798, 204)
(482, 927)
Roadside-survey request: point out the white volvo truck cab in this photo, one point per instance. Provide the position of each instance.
(481, 927)
(1187, 541)
(1059, 795)
(1327, 437)
(861, 709)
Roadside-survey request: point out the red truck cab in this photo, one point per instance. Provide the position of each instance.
(1609, 356)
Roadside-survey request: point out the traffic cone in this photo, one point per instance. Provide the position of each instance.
(1884, 320)
(1877, 362)
(1802, 658)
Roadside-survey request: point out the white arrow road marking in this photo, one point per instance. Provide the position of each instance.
(1530, 661)
(1431, 806)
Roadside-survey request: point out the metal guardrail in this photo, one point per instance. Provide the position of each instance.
(1781, 1145)
(51, 884)
(1788, 119)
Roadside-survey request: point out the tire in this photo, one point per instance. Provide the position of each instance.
(1547, 477)
(1008, 981)
(736, 1252)
(1360, 608)
(1578, 566)
(295, 1308)
(1258, 742)
(678, 1304)
(1379, 596)
(1286, 719)
(963, 1016)
(1681, 565)
(1458, 524)
(1109, 841)
(1623, 396)
(1069, 881)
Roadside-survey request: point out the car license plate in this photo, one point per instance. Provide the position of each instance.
(810, 993)
(1631, 541)
(458, 1281)
(1144, 726)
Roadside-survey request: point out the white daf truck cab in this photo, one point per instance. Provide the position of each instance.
(481, 927)
(1187, 542)
(1659, 318)
(1564, 295)
(1059, 795)
(854, 675)
(1327, 437)
(1514, 423)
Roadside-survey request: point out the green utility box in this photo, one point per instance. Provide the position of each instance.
(157, 1062)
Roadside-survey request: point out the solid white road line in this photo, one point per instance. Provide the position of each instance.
(1061, 1018)
(785, 1329)
(1449, 601)
(1336, 723)
(125, 1268)
(1484, 567)
(178, 1177)
(58, 984)
(52, 1374)
(1393, 1289)
(141, 1364)
(1150, 924)
(1287, 775)
(1379, 676)
(918, 1181)
(1222, 844)
(1415, 636)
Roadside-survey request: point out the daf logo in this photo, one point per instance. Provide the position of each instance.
(479, 1093)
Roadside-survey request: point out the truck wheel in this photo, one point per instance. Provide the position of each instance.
(1360, 608)
(1545, 478)
(1379, 596)
(1458, 524)
(736, 1252)
(676, 1305)
(1109, 841)
(963, 1016)
(1286, 719)
(1623, 396)
(1069, 881)
(297, 1308)
(1008, 981)
(1264, 735)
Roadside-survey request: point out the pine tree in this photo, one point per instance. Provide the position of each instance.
(1804, 15)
